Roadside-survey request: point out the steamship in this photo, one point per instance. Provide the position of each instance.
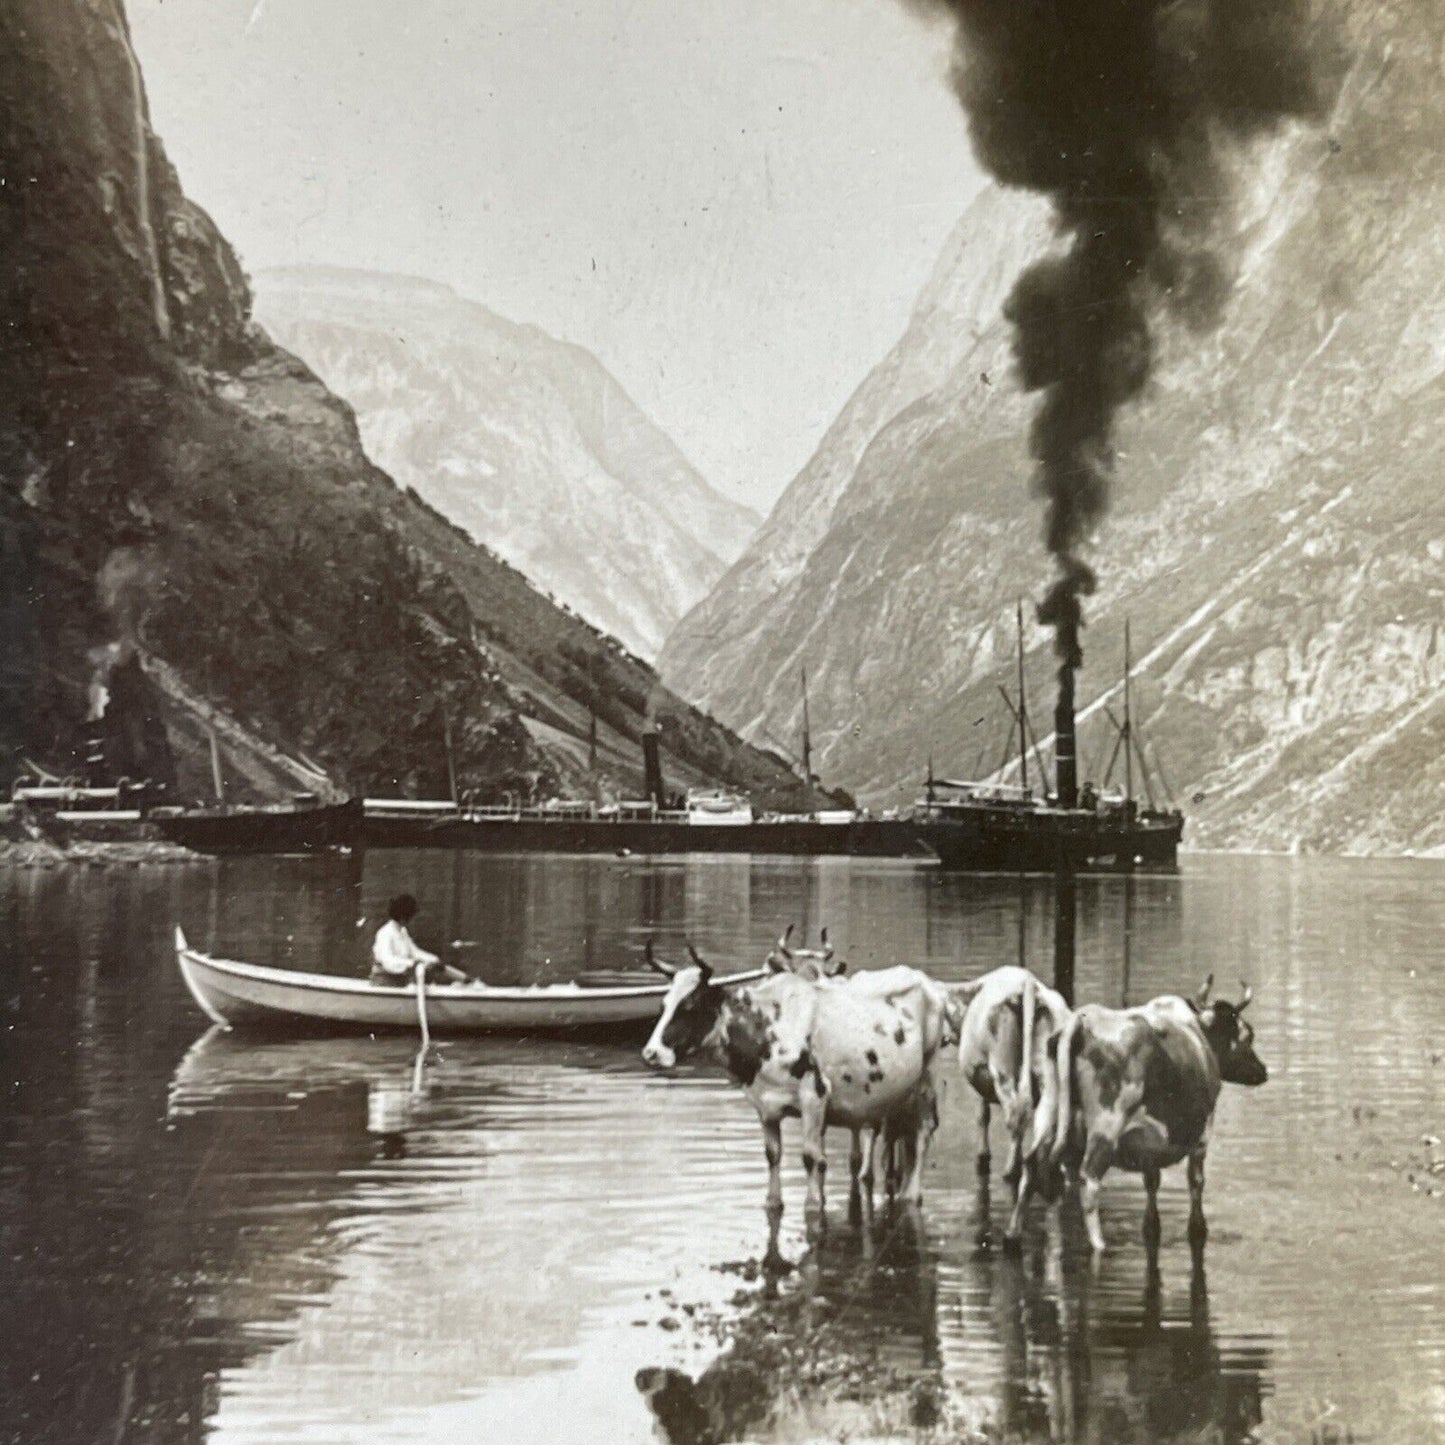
(700, 821)
(999, 827)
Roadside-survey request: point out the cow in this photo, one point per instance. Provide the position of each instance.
(903, 1160)
(1135, 1089)
(826, 1054)
(1003, 1052)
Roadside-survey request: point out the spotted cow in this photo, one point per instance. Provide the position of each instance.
(1003, 1052)
(823, 1054)
(898, 1135)
(1136, 1089)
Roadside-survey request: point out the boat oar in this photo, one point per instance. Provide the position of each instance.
(425, 1028)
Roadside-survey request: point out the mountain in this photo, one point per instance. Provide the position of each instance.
(193, 536)
(526, 442)
(1278, 527)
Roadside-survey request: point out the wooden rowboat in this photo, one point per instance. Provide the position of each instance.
(249, 995)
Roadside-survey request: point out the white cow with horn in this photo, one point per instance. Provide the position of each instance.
(899, 1134)
(826, 1054)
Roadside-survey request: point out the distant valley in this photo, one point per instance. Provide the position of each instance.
(526, 442)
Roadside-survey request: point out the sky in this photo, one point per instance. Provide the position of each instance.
(733, 203)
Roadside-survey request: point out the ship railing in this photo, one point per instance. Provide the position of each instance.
(958, 792)
(384, 807)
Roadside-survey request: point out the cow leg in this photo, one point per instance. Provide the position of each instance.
(855, 1178)
(1014, 1232)
(984, 1159)
(1017, 1118)
(916, 1143)
(925, 1125)
(1151, 1210)
(813, 1110)
(773, 1147)
(774, 1265)
(1198, 1229)
(1099, 1151)
(1013, 1169)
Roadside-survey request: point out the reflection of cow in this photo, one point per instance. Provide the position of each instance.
(851, 1338)
(822, 1053)
(1092, 1353)
(1136, 1089)
(1003, 1051)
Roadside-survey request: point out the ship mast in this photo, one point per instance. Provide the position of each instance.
(807, 745)
(1023, 706)
(1128, 725)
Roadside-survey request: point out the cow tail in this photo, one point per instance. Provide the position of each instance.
(1064, 1108)
(1026, 1058)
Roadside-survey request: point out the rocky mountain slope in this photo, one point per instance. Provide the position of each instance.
(190, 527)
(526, 442)
(1278, 529)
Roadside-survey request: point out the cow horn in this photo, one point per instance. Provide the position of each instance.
(1244, 1001)
(1202, 997)
(827, 951)
(703, 966)
(653, 962)
(783, 941)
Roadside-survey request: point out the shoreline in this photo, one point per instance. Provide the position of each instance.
(90, 853)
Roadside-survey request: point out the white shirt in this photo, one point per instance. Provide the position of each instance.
(395, 953)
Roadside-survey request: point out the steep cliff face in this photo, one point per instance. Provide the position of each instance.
(526, 442)
(1276, 535)
(188, 519)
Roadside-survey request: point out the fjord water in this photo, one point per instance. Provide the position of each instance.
(207, 1237)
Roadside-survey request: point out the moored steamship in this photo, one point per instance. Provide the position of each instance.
(994, 826)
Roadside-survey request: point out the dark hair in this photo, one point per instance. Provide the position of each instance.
(402, 908)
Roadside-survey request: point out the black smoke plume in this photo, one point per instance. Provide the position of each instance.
(1128, 115)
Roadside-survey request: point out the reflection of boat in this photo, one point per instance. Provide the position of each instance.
(249, 994)
(304, 827)
(222, 1070)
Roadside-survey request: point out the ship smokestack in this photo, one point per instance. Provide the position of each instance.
(1064, 741)
(652, 767)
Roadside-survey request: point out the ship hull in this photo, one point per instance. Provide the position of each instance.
(1048, 840)
(866, 838)
(260, 830)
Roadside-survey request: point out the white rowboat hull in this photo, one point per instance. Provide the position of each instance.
(249, 995)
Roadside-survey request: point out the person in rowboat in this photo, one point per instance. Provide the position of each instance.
(395, 956)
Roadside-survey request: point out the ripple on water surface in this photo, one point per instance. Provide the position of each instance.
(209, 1237)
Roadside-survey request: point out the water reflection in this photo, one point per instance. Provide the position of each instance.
(213, 1238)
(1102, 1352)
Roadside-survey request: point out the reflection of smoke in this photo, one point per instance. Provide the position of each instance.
(1122, 113)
